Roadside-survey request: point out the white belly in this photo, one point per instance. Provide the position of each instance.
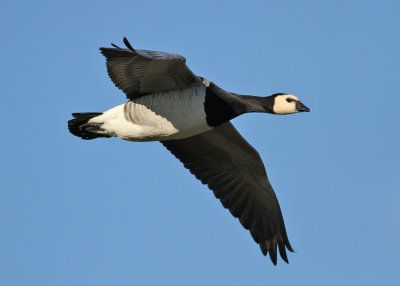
(160, 116)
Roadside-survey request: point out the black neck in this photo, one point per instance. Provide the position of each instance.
(221, 106)
(257, 103)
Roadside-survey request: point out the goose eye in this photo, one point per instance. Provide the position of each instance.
(289, 100)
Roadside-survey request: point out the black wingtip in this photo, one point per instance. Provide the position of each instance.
(115, 46)
(288, 246)
(128, 45)
(282, 252)
(273, 255)
(269, 247)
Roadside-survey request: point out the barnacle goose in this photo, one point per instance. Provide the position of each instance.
(191, 117)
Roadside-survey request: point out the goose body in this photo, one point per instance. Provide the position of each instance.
(191, 117)
(165, 115)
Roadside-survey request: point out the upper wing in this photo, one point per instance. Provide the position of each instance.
(232, 168)
(139, 72)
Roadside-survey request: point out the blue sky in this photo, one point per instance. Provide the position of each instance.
(111, 212)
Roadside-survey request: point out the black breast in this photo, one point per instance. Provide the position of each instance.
(216, 107)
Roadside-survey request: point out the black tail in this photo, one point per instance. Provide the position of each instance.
(80, 127)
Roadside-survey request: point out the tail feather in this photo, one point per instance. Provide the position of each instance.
(80, 127)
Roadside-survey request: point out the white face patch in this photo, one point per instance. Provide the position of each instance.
(285, 104)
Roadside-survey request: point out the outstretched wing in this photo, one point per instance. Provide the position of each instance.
(140, 72)
(232, 168)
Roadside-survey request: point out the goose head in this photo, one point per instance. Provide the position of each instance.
(287, 103)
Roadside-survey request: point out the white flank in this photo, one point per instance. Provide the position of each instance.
(175, 114)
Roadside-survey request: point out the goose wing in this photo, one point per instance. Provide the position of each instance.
(140, 72)
(232, 168)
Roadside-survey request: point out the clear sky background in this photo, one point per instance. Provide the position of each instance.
(112, 212)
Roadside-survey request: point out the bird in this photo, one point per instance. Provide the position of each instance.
(191, 116)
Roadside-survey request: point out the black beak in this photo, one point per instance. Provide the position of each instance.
(301, 107)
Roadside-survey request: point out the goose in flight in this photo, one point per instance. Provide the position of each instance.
(190, 116)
